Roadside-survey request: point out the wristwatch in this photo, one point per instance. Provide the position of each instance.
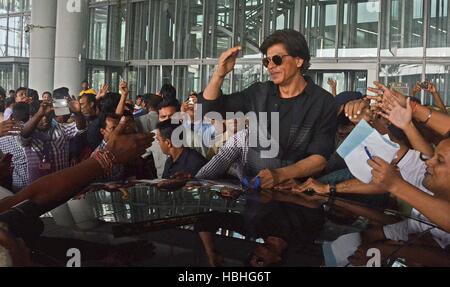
(329, 204)
(333, 190)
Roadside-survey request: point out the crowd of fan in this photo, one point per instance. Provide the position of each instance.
(47, 157)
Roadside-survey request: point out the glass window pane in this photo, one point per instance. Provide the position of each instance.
(14, 36)
(6, 77)
(246, 75)
(163, 14)
(3, 6)
(281, 14)
(117, 32)
(26, 39)
(404, 74)
(439, 29)
(3, 31)
(320, 27)
(250, 27)
(23, 75)
(139, 29)
(440, 76)
(97, 77)
(98, 34)
(358, 35)
(219, 36)
(189, 29)
(15, 6)
(137, 81)
(403, 28)
(186, 80)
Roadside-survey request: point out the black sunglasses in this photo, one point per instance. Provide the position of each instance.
(277, 60)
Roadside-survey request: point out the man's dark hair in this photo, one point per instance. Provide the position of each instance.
(91, 98)
(166, 129)
(109, 103)
(169, 103)
(84, 82)
(128, 111)
(294, 42)
(168, 92)
(61, 93)
(21, 89)
(103, 117)
(11, 92)
(33, 94)
(152, 101)
(48, 93)
(139, 97)
(21, 112)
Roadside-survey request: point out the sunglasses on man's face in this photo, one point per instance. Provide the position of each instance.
(277, 60)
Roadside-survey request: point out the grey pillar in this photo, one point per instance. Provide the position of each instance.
(71, 44)
(42, 42)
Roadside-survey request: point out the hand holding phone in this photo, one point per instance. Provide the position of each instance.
(425, 85)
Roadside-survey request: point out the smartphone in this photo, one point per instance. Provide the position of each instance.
(61, 107)
(424, 85)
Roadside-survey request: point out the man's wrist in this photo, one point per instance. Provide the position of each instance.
(218, 76)
(397, 186)
(327, 189)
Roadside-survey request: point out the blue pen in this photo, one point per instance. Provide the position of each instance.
(368, 153)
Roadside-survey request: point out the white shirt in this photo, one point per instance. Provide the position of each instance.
(413, 171)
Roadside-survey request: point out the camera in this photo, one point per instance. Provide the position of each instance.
(424, 85)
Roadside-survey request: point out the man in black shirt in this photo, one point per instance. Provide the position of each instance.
(307, 113)
(181, 159)
(88, 107)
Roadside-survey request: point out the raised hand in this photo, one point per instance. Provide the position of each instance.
(399, 116)
(227, 61)
(9, 127)
(123, 88)
(103, 91)
(127, 147)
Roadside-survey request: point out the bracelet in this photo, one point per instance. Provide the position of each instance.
(429, 116)
(105, 159)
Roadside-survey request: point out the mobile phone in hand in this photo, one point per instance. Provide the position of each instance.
(424, 85)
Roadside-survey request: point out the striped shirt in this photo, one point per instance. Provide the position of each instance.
(57, 140)
(11, 145)
(231, 157)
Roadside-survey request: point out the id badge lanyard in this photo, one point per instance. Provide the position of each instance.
(45, 164)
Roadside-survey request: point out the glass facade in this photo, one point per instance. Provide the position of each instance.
(152, 42)
(14, 43)
(178, 41)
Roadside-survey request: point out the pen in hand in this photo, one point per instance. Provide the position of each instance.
(368, 153)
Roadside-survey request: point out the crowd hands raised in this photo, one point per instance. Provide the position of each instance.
(109, 137)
